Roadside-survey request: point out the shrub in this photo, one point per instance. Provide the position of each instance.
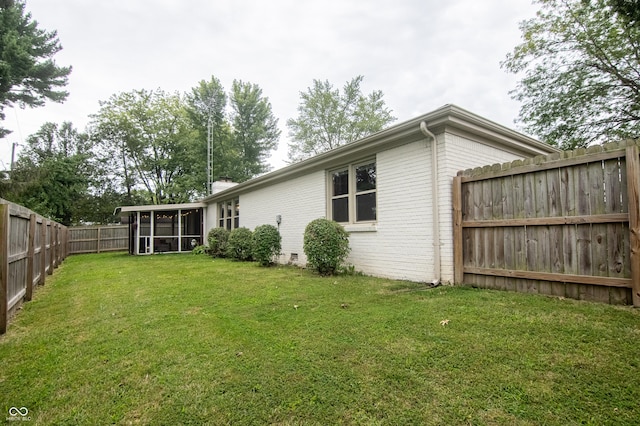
(239, 244)
(266, 244)
(326, 245)
(200, 250)
(217, 239)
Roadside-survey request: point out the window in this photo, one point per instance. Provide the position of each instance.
(229, 214)
(353, 193)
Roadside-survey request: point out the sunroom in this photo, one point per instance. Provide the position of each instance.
(173, 228)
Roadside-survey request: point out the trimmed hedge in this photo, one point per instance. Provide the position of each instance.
(266, 244)
(326, 244)
(217, 239)
(239, 245)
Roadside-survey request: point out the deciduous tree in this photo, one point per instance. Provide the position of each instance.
(244, 131)
(327, 118)
(206, 107)
(53, 174)
(580, 67)
(150, 135)
(255, 130)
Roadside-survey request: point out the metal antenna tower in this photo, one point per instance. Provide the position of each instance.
(209, 154)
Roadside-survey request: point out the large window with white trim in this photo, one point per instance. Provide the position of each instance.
(229, 214)
(353, 193)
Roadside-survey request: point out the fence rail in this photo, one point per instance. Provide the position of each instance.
(31, 247)
(97, 239)
(566, 224)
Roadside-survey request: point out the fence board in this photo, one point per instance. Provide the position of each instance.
(633, 191)
(4, 267)
(23, 255)
(566, 227)
(97, 239)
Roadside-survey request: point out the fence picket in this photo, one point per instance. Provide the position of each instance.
(564, 225)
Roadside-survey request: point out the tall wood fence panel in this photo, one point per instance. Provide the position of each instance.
(565, 225)
(31, 246)
(97, 239)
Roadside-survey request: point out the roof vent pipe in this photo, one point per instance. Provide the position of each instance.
(434, 202)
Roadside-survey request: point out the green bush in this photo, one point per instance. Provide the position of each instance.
(326, 244)
(239, 244)
(200, 250)
(217, 239)
(266, 244)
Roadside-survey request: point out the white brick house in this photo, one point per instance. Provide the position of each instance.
(391, 191)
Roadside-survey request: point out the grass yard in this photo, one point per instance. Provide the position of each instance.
(183, 339)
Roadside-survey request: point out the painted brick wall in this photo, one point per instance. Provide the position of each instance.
(298, 201)
(402, 245)
(458, 153)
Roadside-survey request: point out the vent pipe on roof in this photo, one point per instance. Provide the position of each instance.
(434, 202)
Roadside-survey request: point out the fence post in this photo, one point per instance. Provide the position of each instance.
(50, 239)
(31, 255)
(4, 267)
(98, 246)
(43, 250)
(633, 179)
(458, 260)
(54, 245)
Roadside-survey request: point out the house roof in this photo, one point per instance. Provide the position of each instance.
(449, 118)
(156, 207)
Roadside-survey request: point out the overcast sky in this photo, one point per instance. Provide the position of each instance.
(422, 54)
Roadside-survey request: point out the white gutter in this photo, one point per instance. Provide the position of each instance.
(435, 200)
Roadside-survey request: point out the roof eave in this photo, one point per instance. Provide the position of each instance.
(437, 121)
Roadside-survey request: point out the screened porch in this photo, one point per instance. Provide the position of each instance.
(172, 228)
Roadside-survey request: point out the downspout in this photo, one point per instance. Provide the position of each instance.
(435, 199)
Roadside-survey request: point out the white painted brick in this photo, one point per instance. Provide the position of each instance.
(402, 245)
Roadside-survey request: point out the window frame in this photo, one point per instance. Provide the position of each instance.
(228, 214)
(352, 193)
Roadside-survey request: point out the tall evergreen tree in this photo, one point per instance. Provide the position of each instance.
(28, 74)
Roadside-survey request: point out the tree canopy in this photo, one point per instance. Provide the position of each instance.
(255, 130)
(243, 127)
(28, 74)
(327, 118)
(53, 173)
(151, 139)
(580, 62)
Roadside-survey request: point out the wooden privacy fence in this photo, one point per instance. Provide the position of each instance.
(31, 246)
(96, 239)
(567, 224)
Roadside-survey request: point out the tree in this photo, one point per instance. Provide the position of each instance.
(206, 107)
(328, 119)
(28, 74)
(255, 130)
(150, 135)
(53, 173)
(581, 66)
(628, 9)
(242, 138)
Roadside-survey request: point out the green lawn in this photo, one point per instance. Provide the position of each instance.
(183, 339)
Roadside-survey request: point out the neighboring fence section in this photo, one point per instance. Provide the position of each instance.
(566, 224)
(31, 246)
(97, 239)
